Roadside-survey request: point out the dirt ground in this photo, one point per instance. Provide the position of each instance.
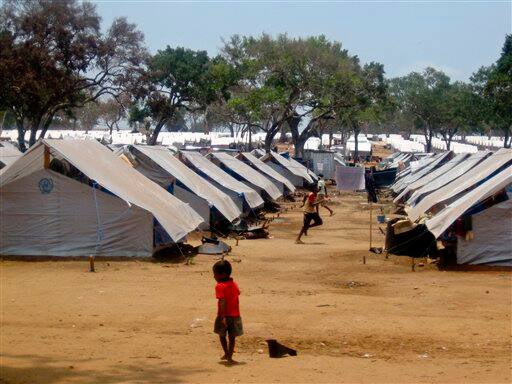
(150, 322)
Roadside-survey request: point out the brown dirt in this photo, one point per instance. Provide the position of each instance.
(148, 322)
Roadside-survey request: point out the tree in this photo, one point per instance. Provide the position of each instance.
(272, 82)
(422, 95)
(285, 83)
(368, 100)
(460, 111)
(54, 57)
(112, 111)
(498, 91)
(178, 79)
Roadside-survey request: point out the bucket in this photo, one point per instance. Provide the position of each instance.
(381, 219)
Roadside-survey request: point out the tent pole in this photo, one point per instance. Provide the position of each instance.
(371, 207)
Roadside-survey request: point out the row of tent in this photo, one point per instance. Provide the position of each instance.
(463, 198)
(416, 143)
(79, 198)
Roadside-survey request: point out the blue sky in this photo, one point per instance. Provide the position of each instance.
(457, 37)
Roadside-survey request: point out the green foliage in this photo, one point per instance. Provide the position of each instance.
(423, 96)
(177, 80)
(54, 58)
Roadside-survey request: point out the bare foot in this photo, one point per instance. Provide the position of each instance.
(224, 357)
(332, 213)
(231, 362)
(299, 242)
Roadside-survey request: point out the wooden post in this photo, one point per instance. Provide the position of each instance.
(91, 264)
(46, 157)
(371, 224)
(412, 264)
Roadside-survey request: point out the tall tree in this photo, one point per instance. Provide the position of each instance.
(460, 112)
(288, 83)
(178, 79)
(422, 95)
(54, 57)
(498, 91)
(111, 111)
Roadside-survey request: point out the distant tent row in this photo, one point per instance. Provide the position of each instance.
(285, 185)
(464, 202)
(80, 198)
(161, 166)
(289, 168)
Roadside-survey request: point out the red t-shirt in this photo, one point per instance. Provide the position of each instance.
(228, 290)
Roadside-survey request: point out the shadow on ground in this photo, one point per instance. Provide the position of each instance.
(45, 370)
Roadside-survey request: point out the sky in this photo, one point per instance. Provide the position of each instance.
(456, 37)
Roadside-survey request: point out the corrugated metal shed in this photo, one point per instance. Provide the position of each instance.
(321, 162)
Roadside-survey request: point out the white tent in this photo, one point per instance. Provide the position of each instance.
(8, 154)
(252, 177)
(429, 177)
(102, 206)
(306, 171)
(283, 166)
(474, 176)
(237, 190)
(187, 185)
(436, 162)
(492, 231)
(364, 147)
(440, 222)
(269, 171)
(446, 178)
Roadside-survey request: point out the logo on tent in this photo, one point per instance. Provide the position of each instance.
(45, 185)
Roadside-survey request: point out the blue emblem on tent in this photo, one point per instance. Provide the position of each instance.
(45, 185)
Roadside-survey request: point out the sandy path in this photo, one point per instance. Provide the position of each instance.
(145, 322)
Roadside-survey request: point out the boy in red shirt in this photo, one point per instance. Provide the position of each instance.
(310, 204)
(228, 321)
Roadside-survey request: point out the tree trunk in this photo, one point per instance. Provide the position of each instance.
(21, 136)
(33, 133)
(46, 125)
(269, 138)
(330, 139)
(282, 137)
(154, 136)
(428, 139)
(299, 147)
(231, 130)
(447, 139)
(507, 140)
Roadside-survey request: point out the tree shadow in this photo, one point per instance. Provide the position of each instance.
(43, 369)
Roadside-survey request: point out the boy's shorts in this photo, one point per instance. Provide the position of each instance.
(234, 326)
(312, 217)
